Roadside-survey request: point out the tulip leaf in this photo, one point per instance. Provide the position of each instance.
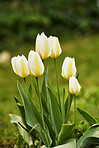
(66, 106)
(70, 143)
(33, 117)
(51, 130)
(26, 136)
(44, 88)
(30, 90)
(65, 133)
(89, 118)
(17, 100)
(91, 136)
(44, 138)
(56, 117)
(44, 104)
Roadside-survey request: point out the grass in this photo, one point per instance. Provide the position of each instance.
(86, 53)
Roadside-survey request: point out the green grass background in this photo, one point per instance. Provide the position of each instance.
(85, 50)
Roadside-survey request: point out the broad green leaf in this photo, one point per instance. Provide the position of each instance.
(51, 130)
(56, 116)
(65, 133)
(33, 117)
(89, 118)
(89, 137)
(66, 106)
(30, 90)
(44, 104)
(26, 136)
(44, 138)
(44, 93)
(70, 143)
(44, 88)
(22, 112)
(89, 141)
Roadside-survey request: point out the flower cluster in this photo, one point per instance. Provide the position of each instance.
(34, 66)
(69, 73)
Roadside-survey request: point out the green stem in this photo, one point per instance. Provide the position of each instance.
(68, 107)
(40, 102)
(57, 82)
(74, 109)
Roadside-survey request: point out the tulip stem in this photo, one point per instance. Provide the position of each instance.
(68, 107)
(74, 109)
(40, 102)
(57, 82)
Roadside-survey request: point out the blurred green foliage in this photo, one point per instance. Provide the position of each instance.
(21, 21)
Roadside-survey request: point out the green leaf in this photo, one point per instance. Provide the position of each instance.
(44, 104)
(65, 133)
(22, 112)
(30, 90)
(56, 116)
(17, 100)
(51, 130)
(33, 117)
(26, 136)
(70, 143)
(44, 138)
(44, 88)
(66, 106)
(90, 137)
(89, 118)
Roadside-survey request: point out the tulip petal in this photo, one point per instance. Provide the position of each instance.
(74, 86)
(36, 66)
(20, 66)
(68, 68)
(55, 47)
(14, 66)
(42, 46)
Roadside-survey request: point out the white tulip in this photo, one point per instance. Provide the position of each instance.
(68, 68)
(20, 66)
(55, 47)
(36, 67)
(74, 86)
(42, 46)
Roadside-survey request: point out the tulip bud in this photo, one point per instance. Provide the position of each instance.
(68, 68)
(36, 67)
(55, 47)
(74, 86)
(42, 46)
(20, 66)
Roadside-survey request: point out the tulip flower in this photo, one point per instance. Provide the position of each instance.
(42, 46)
(68, 68)
(20, 66)
(36, 67)
(74, 86)
(55, 47)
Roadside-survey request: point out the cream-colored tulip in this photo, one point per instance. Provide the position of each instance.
(55, 47)
(74, 86)
(20, 66)
(42, 46)
(68, 68)
(36, 67)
